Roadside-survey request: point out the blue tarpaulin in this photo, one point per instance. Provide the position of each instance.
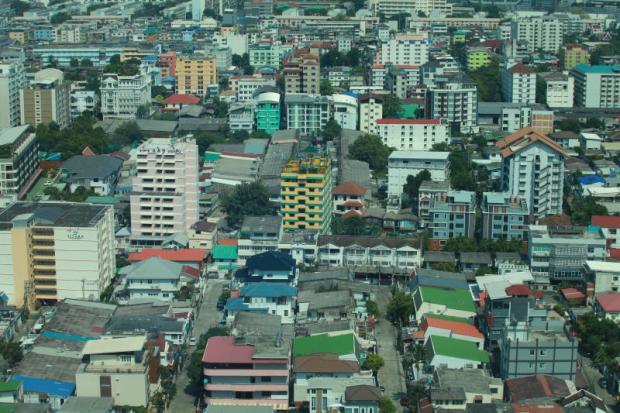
(55, 388)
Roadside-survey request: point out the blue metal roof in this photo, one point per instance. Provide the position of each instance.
(63, 336)
(590, 179)
(55, 388)
(234, 305)
(268, 289)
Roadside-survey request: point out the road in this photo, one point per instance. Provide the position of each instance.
(207, 316)
(592, 375)
(391, 375)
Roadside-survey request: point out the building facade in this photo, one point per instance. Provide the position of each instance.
(559, 89)
(371, 110)
(19, 159)
(412, 134)
(164, 198)
(12, 80)
(519, 84)
(453, 98)
(344, 110)
(405, 49)
(504, 216)
(572, 55)
(597, 86)
(81, 100)
(307, 113)
(302, 72)
(451, 216)
(402, 164)
(267, 112)
(121, 96)
(538, 33)
(46, 100)
(195, 73)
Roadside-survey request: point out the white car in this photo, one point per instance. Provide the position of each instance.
(192, 341)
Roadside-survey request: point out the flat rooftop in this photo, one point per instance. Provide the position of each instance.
(56, 214)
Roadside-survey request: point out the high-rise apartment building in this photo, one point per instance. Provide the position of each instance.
(412, 134)
(55, 250)
(195, 73)
(559, 89)
(519, 84)
(267, 111)
(504, 216)
(302, 71)
(453, 98)
(121, 96)
(538, 33)
(164, 200)
(572, 55)
(12, 79)
(198, 9)
(371, 110)
(46, 100)
(406, 49)
(264, 55)
(306, 193)
(533, 169)
(307, 113)
(19, 159)
(597, 86)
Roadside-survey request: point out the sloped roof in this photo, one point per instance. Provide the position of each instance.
(186, 255)
(323, 363)
(609, 302)
(606, 221)
(521, 69)
(177, 99)
(456, 299)
(91, 166)
(463, 329)
(154, 268)
(349, 188)
(536, 387)
(341, 344)
(225, 350)
(265, 289)
(462, 349)
(271, 260)
(362, 392)
(521, 139)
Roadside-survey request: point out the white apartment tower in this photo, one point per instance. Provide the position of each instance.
(164, 198)
(519, 84)
(533, 169)
(121, 96)
(539, 33)
(406, 49)
(371, 110)
(12, 80)
(198, 9)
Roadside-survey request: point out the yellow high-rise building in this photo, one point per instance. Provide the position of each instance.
(195, 73)
(306, 193)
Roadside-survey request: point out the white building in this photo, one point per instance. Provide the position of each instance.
(393, 7)
(412, 134)
(258, 234)
(153, 278)
(590, 141)
(533, 168)
(453, 98)
(406, 49)
(270, 297)
(597, 86)
(559, 89)
(245, 86)
(519, 84)
(345, 111)
(241, 117)
(121, 96)
(82, 100)
(198, 9)
(378, 75)
(12, 80)
(307, 113)
(606, 276)
(371, 110)
(539, 33)
(402, 164)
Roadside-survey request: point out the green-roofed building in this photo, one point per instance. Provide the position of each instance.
(225, 257)
(211, 157)
(454, 353)
(102, 200)
(408, 110)
(452, 302)
(345, 345)
(597, 86)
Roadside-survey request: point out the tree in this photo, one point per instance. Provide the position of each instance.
(484, 270)
(569, 124)
(400, 308)
(373, 308)
(74, 62)
(461, 244)
(369, 148)
(412, 187)
(386, 405)
(541, 91)
(12, 353)
(326, 87)
(19, 7)
(582, 210)
(373, 362)
(331, 130)
(86, 62)
(128, 133)
(246, 199)
(59, 18)
(353, 225)
(159, 91)
(493, 12)
(594, 123)
(488, 81)
(391, 106)
(143, 111)
(444, 266)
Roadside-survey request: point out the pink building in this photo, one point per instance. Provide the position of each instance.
(236, 373)
(164, 198)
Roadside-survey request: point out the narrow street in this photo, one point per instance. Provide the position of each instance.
(391, 375)
(592, 376)
(207, 317)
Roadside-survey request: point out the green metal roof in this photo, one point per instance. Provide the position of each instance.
(102, 200)
(224, 252)
(9, 386)
(211, 156)
(457, 299)
(408, 110)
(463, 349)
(582, 67)
(8, 407)
(323, 343)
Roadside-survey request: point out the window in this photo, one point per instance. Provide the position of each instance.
(541, 352)
(532, 352)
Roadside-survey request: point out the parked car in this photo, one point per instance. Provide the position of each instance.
(221, 303)
(192, 341)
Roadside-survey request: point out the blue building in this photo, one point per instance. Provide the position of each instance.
(452, 215)
(270, 266)
(264, 297)
(43, 34)
(504, 216)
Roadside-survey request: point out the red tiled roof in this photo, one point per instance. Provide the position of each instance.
(406, 66)
(520, 68)
(349, 188)
(537, 408)
(223, 350)
(609, 302)
(614, 253)
(177, 99)
(535, 387)
(408, 121)
(353, 203)
(189, 270)
(185, 255)
(88, 152)
(518, 289)
(378, 66)
(573, 294)
(606, 221)
(350, 213)
(462, 329)
(227, 242)
(519, 140)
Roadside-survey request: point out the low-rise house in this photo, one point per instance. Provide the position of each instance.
(350, 196)
(324, 305)
(610, 226)
(440, 279)
(271, 266)
(175, 330)
(443, 301)
(427, 191)
(451, 327)
(344, 344)
(362, 398)
(329, 394)
(98, 173)
(258, 234)
(606, 276)
(194, 257)
(87, 404)
(454, 353)
(121, 368)
(265, 297)
(472, 261)
(439, 257)
(10, 391)
(566, 139)
(608, 306)
(590, 141)
(153, 278)
(176, 102)
(202, 234)
(224, 258)
(478, 385)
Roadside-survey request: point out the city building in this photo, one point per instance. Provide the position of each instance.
(450, 302)
(452, 215)
(164, 198)
(511, 117)
(426, 192)
(608, 306)
(412, 134)
(572, 55)
(453, 353)
(454, 328)
(121, 96)
(12, 80)
(402, 164)
(350, 196)
(306, 193)
(371, 110)
(477, 57)
(344, 109)
(198, 9)
(264, 55)
(560, 253)
(560, 89)
(453, 98)
(98, 173)
(307, 113)
(19, 160)
(544, 348)
(606, 276)
(195, 73)
(245, 374)
(258, 234)
(121, 368)
(153, 279)
(405, 49)
(302, 72)
(391, 8)
(477, 385)
(241, 117)
(609, 225)
(55, 251)
(519, 84)
(597, 86)
(245, 86)
(267, 111)
(81, 100)
(538, 33)
(276, 298)
(533, 169)
(504, 216)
